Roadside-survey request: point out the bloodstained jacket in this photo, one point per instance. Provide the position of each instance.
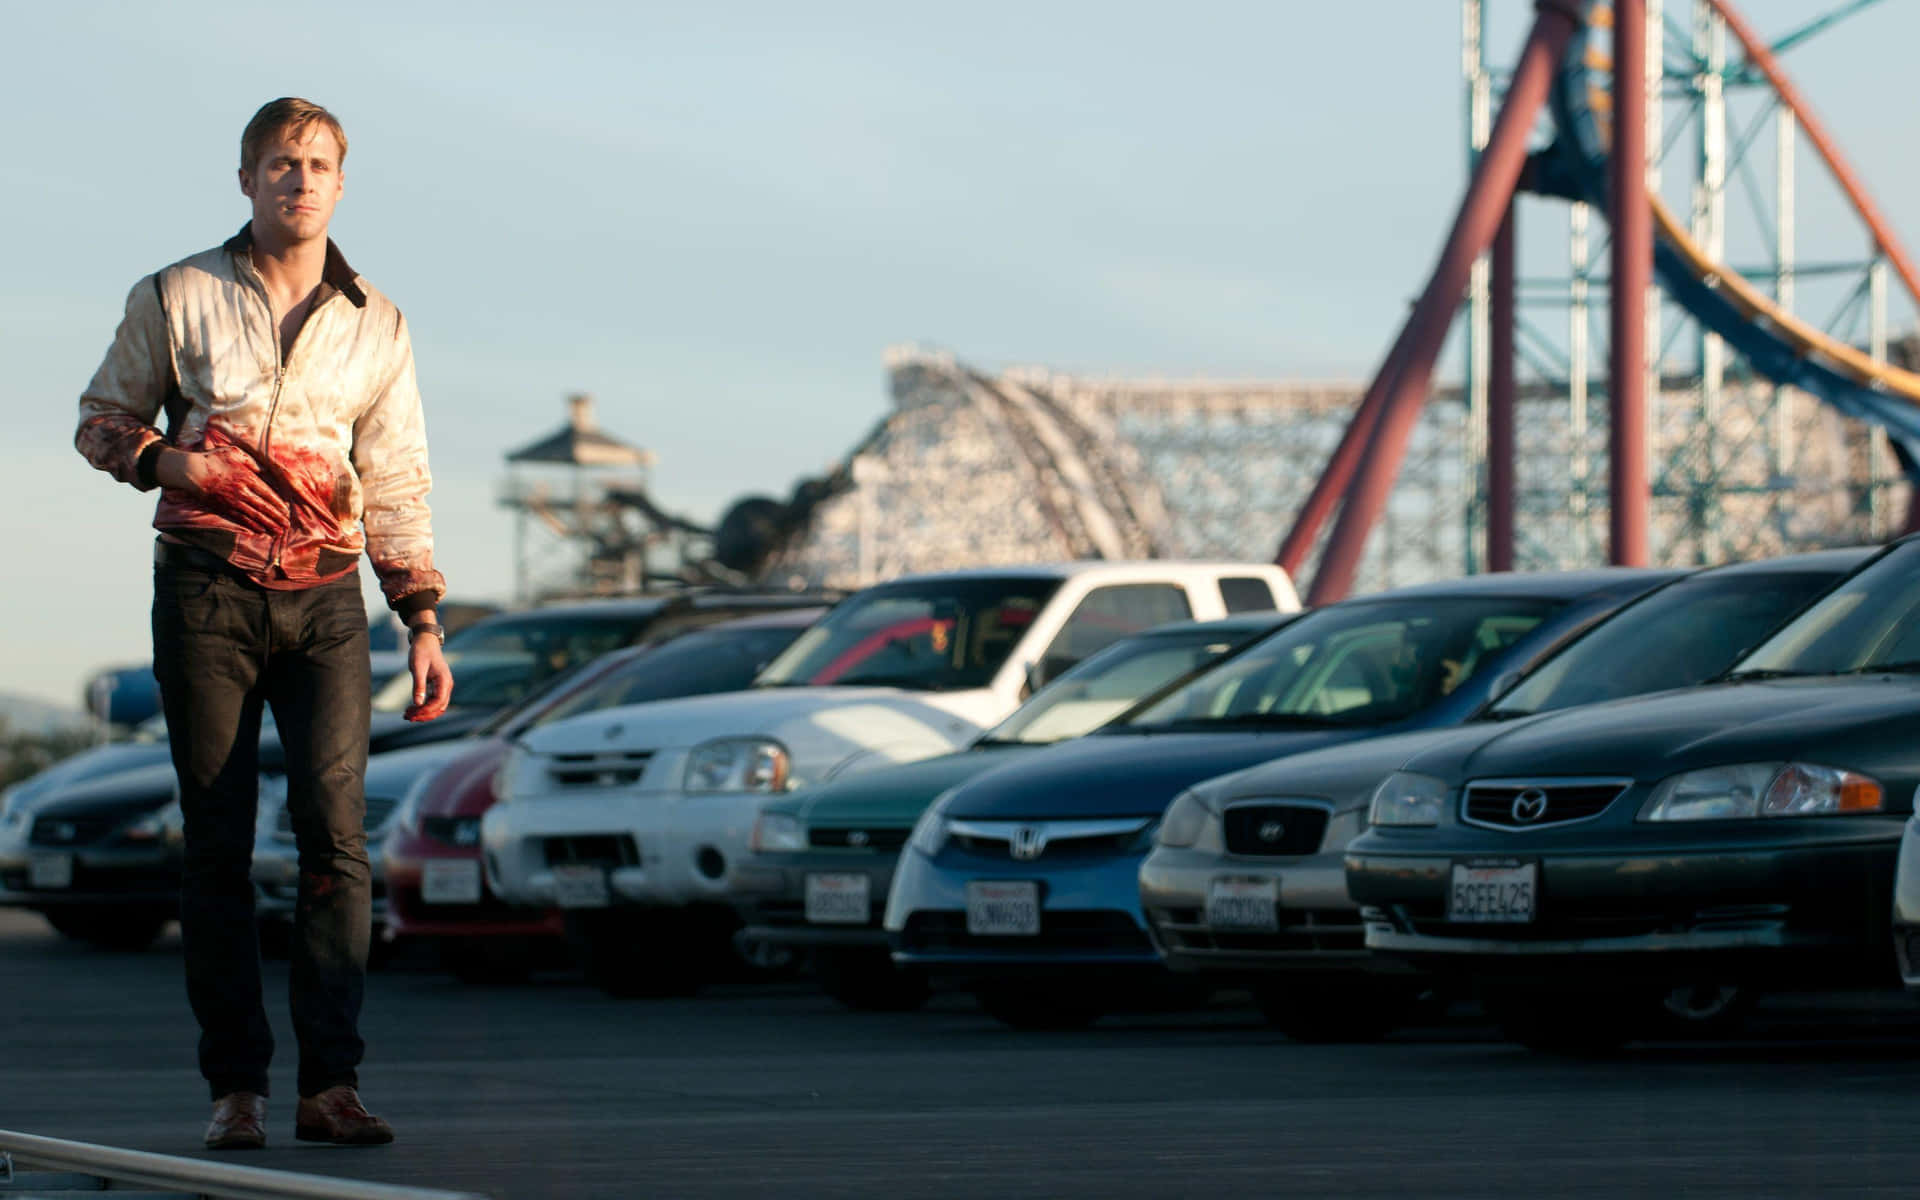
(337, 431)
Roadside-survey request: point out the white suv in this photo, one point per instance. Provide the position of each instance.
(650, 804)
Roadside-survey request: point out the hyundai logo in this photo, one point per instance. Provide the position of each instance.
(64, 832)
(614, 731)
(1272, 831)
(1530, 805)
(1029, 842)
(857, 838)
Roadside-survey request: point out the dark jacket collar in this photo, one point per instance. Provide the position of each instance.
(336, 274)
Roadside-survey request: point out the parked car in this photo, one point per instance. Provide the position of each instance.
(1246, 882)
(823, 858)
(1580, 866)
(633, 816)
(1023, 882)
(431, 856)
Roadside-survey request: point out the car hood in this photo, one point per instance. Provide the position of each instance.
(392, 773)
(88, 764)
(392, 731)
(896, 795)
(820, 726)
(137, 790)
(464, 788)
(1120, 775)
(1345, 775)
(1651, 737)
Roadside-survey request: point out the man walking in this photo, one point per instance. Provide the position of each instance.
(294, 439)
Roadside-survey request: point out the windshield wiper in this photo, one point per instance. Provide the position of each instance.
(913, 682)
(1754, 673)
(1254, 721)
(1508, 714)
(1905, 667)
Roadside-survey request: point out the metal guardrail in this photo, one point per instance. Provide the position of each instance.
(218, 1181)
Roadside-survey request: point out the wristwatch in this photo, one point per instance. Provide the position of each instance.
(414, 631)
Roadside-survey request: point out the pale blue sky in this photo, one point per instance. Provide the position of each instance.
(716, 217)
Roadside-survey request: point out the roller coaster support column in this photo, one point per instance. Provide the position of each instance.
(1480, 215)
(1500, 396)
(1632, 270)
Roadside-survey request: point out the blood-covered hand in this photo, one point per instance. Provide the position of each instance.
(432, 679)
(227, 479)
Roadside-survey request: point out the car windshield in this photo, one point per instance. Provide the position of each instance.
(696, 664)
(1108, 683)
(1681, 635)
(553, 641)
(1359, 663)
(1870, 621)
(482, 681)
(928, 635)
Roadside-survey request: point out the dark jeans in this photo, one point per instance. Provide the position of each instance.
(222, 648)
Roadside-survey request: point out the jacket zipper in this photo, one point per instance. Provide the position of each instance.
(273, 403)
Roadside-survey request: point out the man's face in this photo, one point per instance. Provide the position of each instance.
(295, 184)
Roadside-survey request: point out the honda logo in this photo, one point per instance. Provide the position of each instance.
(1529, 805)
(1029, 842)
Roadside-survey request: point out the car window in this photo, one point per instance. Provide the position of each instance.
(694, 664)
(482, 681)
(928, 635)
(1107, 684)
(1248, 594)
(1354, 663)
(1107, 614)
(1681, 635)
(1869, 620)
(553, 643)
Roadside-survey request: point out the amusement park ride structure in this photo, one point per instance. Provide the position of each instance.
(1606, 102)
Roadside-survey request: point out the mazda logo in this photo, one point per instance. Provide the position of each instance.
(1272, 831)
(64, 832)
(1530, 805)
(1029, 842)
(857, 838)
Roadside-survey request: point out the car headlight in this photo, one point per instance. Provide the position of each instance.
(737, 765)
(929, 832)
(273, 802)
(1185, 821)
(10, 812)
(501, 785)
(406, 816)
(156, 825)
(1408, 799)
(775, 832)
(1748, 790)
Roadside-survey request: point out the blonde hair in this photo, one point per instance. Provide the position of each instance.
(291, 115)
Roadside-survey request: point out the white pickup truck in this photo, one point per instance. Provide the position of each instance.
(631, 817)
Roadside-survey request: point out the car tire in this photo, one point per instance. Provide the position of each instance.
(1039, 1008)
(110, 928)
(1707, 1009)
(1326, 1011)
(484, 962)
(1588, 1022)
(868, 981)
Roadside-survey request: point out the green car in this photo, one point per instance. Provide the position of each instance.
(822, 859)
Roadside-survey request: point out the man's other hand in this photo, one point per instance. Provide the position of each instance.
(432, 679)
(227, 479)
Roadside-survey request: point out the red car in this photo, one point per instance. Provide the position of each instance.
(435, 885)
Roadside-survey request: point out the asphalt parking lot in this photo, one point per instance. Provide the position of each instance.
(551, 1089)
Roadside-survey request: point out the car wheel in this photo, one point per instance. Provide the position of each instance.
(1702, 1010)
(867, 981)
(67, 922)
(276, 938)
(1019, 1007)
(1563, 1020)
(634, 956)
(117, 928)
(484, 961)
(1325, 1011)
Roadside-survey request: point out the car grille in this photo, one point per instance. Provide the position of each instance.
(593, 850)
(613, 768)
(79, 830)
(870, 839)
(1057, 840)
(1301, 929)
(1068, 930)
(1274, 829)
(1507, 803)
(448, 831)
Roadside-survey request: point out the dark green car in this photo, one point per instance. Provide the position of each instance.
(1607, 871)
(823, 859)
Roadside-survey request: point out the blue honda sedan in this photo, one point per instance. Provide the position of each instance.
(1021, 883)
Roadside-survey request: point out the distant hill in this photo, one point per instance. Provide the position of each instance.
(25, 714)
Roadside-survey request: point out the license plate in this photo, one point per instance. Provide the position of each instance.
(999, 908)
(1252, 904)
(1493, 893)
(578, 886)
(839, 899)
(50, 871)
(450, 881)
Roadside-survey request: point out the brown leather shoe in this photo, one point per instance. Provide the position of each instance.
(337, 1116)
(239, 1122)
